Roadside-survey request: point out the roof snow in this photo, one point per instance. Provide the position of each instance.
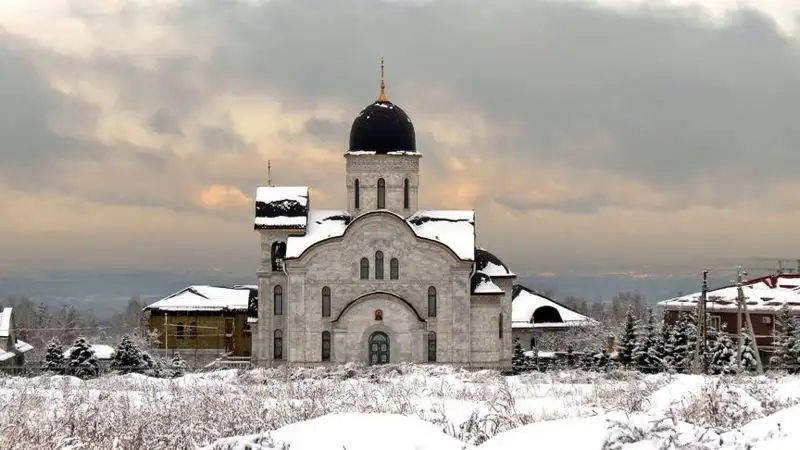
(525, 303)
(281, 207)
(762, 294)
(372, 152)
(491, 265)
(205, 298)
(455, 229)
(482, 284)
(101, 351)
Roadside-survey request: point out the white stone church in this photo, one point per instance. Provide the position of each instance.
(382, 281)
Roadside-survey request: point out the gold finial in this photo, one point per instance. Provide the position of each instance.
(382, 96)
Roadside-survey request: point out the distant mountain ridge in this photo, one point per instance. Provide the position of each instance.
(106, 292)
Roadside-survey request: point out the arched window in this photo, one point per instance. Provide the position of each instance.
(277, 300)
(278, 255)
(381, 193)
(406, 196)
(179, 331)
(500, 327)
(533, 342)
(193, 330)
(326, 301)
(431, 301)
(394, 269)
(379, 265)
(364, 269)
(326, 345)
(431, 346)
(277, 345)
(357, 194)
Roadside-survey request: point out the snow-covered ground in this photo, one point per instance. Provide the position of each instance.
(401, 407)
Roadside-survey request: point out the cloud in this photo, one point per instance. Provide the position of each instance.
(562, 123)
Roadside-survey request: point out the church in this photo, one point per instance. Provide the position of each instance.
(382, 280)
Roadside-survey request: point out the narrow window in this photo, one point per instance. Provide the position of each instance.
(500, 327)
(364, 269)
(394, 269)
(326, 346)
(193, 330)
(379, 265)
(533, 343)
(381, 193)
(179, 331)
(357, 194)
(278, 255)
(277, 345)
(277, 300)
(326, 301)
(406, 196)
(431, 346)
(431, 301)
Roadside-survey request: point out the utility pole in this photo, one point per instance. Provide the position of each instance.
(269, 172)
(742, 306)
(703, 322)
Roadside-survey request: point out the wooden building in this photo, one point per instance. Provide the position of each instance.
(203, 323)
(12, 350)
(764, 297)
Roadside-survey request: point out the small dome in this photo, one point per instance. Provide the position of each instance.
(382, 127)
(491, 265)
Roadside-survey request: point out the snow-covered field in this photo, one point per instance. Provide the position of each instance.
(401, 407)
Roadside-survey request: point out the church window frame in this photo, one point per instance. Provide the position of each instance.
(179, 331)
(394, 269)
(364, 268)
(432, 301)
(381, 193)
(357, 194)
(325, 346)
(379, 265)
(431, 346)
(406, 194)
(277, 300)
(326, 301)
(500, 327)
(277, 345)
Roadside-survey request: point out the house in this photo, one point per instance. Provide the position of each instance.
(541, 322)
(12, 350)
(203, 323)
(764, 297)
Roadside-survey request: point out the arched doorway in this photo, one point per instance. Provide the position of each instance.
(378, 348)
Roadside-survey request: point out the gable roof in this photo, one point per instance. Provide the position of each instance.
(205, 298)
(525, 302)
(766, 294)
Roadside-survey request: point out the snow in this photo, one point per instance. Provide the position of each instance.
(489, 264)
(321, 225)
(525, 304)
(392, 153)
(767, 294)
(270, 194)
(281, 198)
(495, 270)
(5, 322)
(205, 298)
(486, 286)
(101, 351)
(22, 346)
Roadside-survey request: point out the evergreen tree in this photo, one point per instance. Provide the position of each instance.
(682, 342)
(54, 359)
(627, 342)
(644, 351)
(82, 362)
(786, 344)
(178, 365)
(519, 362)
(128, 357)
(749, 359)
(722, 357)
(658, 351)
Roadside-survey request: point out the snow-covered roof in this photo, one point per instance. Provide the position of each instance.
(392, 153)
(205, 298)
(5, 322)
(281, 207)
(101, 351)
(453, 228)
(21, 346)
(482, 285)
(488, 263)
(525, 303)
(766, 294)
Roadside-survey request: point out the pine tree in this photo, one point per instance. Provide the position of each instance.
(54, 359)
(749, 359)
(627, 342)
(178, 365)
(128, 357)
(82, 362)
(722, 357)
(786, 344)
(518, 359)
(682, 342)
(644, 351)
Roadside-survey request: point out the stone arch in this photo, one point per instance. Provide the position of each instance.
(374, 295)
(546, 314)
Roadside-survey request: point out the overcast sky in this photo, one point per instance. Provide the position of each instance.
(587, 135)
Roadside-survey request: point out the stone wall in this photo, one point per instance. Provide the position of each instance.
(394, 169)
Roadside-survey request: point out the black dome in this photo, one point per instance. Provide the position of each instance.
(382, 127)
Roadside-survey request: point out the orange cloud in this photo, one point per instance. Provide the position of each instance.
(222, 197)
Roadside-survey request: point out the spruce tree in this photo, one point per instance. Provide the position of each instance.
(82, 362)
(786, 343)
(682, 342)
(749, 359)
(644, 351)
(722, 357)
(128, 357)
(518, 359)
(178, 365)
(660, 351)
(54, 359)
(627, 342)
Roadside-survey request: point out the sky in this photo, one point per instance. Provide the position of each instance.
(588, 135)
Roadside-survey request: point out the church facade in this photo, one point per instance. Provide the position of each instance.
(380, 281)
